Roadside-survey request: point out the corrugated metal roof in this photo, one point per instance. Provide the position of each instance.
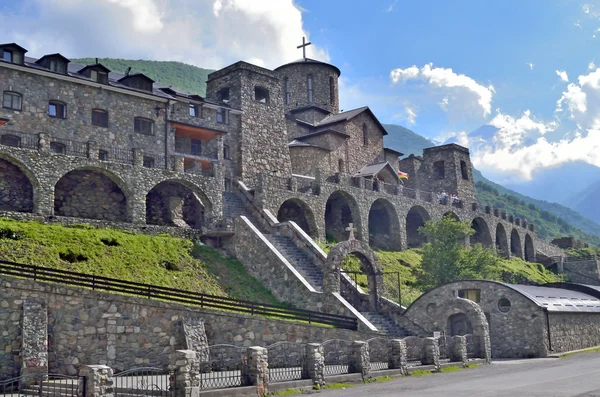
(558, 299)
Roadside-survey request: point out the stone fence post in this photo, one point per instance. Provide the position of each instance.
(93, 150)
(255, 372)
(44, 142)
(178, 166)
(459, 353)
(398, 359)
(186, 380)
(431, 352)
(314, 364)
(359, 361)
(138, 157)
(99, 381)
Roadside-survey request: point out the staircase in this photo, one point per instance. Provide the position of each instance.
(385, 325)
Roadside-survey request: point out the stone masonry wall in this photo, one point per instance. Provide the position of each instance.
(123, 332)
(574, 331)
(16, 192)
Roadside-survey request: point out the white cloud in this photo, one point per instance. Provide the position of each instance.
(460, 93)
(591, 65)
(206, 33)
(531, 65)
(391, 6)
(411, 115)
(563, 75)
(575, 99)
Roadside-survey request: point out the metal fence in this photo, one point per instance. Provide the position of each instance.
(380, 350)
(473, 346)
(286, 360)
(43, 385)
(144, 381)
(414, 350)
(69, 147)
(154, 160)
(224, 367)
(119, 155)
(19, 139)
(446, 345)
(336, 353)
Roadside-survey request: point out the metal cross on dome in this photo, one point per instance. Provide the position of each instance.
(303, 46)
(351, 230)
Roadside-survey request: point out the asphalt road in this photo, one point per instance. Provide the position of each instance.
(574, 376)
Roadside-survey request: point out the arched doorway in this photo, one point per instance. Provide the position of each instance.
(91, 194)
(501, 241)
(299, 212)
(416, 217)
(173, 203)
(452, 215)
(515, 244)
(16, 190)
(340, 210)
(529, 249)
(459, 324)
(383, 226)
(482, 233)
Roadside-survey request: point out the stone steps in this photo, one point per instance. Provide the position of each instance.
(298, 259)
(385, 325)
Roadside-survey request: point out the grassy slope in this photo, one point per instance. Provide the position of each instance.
(137, 257)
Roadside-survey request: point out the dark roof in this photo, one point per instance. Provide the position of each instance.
(308, 107)
(593, 290)
(296, 143)
(309, 61)
(94, 66)
(350, 114)
(134, 75)
(13, 45)
(387, 149)
(375, 169)
(445, 147)
(322, 132)
(57, 55)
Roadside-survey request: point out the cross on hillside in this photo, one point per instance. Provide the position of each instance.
(303, 46)
(351, 230)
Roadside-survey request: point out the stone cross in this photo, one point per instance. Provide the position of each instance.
(351, 230)
(303, 46)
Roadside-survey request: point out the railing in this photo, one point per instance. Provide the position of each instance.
(414, 350)
(71, 148)
(153, 160)
(222, 366)
(44, 385)
(473, 345)
(389, 188)
(380, 351)
(173, 295)
(286, 360)
(336, 353)
(119, 155)
(144, 381)
(19, 139)
(446, 344)
(199, 171)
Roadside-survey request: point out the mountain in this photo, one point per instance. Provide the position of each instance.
(405, 141)
(585, 201)
(179, 75)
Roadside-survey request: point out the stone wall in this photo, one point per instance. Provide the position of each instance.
(123, 332)
(359, 154)
(582, 272)
(16, 192)
(574, 331)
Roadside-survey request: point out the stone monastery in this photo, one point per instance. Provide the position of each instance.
(261, 166)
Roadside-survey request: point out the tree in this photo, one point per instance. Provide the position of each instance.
(446, 259)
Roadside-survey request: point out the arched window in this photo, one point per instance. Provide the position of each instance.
(56, 147)
(10, 140)
(331, 90)
(261, 95)
(11, 100)
(341, 166)
(365, 132)
(286, 86)
(309, 85)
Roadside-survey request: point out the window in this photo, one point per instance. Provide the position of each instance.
(148, 162)
(261, 95)
(57, 109)
(341, 166)
(100, 117)
(56, 147)
(194, 110)
(11, 100)
(288, 94)
(438, 170)
(10, 140)
(309, 85)
(226, 152)
(470, 294)
(223, 94)
(464, 171)
(365, 133)
(196, 147)
(102, 155)
(12, 56)
(99, 76)
(143, 126)
(222, 116)
(504, 305)
(331, 90)
(227, 185)
(57, 66)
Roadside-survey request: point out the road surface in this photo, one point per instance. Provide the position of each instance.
(573, 376)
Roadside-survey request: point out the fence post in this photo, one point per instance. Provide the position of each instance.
(398, 359)
(98, 381)
(44, 143)
(138, 157)
(431, 352)
(314, 363)
(359, 359)
(178, 166)
(92, 150)
(459, 353)
(255, 372)
(186, 368)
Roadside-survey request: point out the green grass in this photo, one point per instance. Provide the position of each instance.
(380, 379)
(339, 386)
(286, 392)
(452, 368)
(420, 372)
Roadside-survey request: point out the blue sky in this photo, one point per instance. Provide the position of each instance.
(442, 68)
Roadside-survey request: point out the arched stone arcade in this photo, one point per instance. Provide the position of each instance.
(501, 241)
(299, 212)
(529, 252)
(91, 194)
(416, 217)
(452, 215)
(16, 189)
(482, 233)
(176, 203)
(384, 227)
(515, 244)
(341, 209)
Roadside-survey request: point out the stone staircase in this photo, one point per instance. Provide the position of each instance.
(385, 325)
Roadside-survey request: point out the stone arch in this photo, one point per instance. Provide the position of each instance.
(501, 241)
(452, 215)
(341, 209)
(482, 233)
(91, 193)
(459, 324)
(177, 203)
(415, 218)
(299, 212)
(17, 186)
(515, 244)
(384, 227)
(529, 251)
(332, 279)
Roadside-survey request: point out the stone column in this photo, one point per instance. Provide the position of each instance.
(359, 361)
(44, 143)
(431, 352)
(255, 372)
(398, 358)
(318, 182)
(99, 381)
(186, 380)
(138, 157)
(137, 208)
(459, 353)
(293, 184)
(178, 166)
(314, 364)
(93, 150)
(34, 341)
(220, 147)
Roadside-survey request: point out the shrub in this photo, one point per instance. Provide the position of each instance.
(8, 233)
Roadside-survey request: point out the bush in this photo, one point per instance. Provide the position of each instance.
(72, 257)
(7, 233)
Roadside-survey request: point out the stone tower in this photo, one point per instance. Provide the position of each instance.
(449, 169)
(308, 82)
(261, 144)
